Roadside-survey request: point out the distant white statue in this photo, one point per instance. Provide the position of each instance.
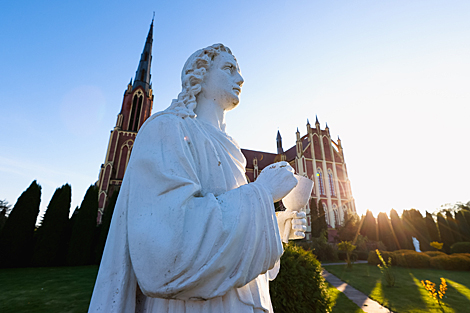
(416, 244)
(188, 233)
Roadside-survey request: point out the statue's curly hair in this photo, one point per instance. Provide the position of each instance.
(192, 76)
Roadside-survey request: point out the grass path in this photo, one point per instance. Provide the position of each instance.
(408, 295)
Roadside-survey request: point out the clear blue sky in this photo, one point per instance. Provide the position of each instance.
(391, 78)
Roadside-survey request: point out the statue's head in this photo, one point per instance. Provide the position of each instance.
(193, 73)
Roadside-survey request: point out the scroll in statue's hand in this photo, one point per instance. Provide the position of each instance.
(278, 179)
(298, 224)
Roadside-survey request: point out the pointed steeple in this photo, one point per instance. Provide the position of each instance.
(279, 143)
(142, 75)
(316, 120)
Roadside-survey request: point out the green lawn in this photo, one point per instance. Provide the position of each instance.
(68, 289)
(46, 289)
(341, 303)
(408, 295)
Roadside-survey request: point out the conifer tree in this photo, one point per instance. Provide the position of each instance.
(416, 227)
(385, 232)
(106, 222)
(432, 228)
(323, 225)
(315, 218)
(445, 233)
(347, 232)
(463, 225)
(399, 231)
(83, 230)
(369, 226)
(16, 239)
(318, 218)
(51, 236)
(453, 227)
(466, 213)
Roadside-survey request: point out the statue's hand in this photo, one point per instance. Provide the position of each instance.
(278, 179)
(298, 222)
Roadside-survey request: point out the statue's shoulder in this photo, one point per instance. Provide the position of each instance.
(162, 119)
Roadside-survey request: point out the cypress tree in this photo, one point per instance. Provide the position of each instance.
(407, 227)
(16, 239)
(417, 227)
(445, 233)
(432, 228)
(83, 230)
(463, 225)
(51, 236)
(453, 227)
(318, 219)
(369, 227)
(323, 225)
(348, 231)
(385, 232)
(397, 226)
(106, 223)
(466, 213)
(314, 215)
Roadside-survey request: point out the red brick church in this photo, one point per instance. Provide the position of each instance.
(315, 154)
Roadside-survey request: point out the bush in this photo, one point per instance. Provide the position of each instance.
(412, 259)
(299, 286)
(460, 247)
(321, 248)
(467, 255)
(434, 253)
(455, 262)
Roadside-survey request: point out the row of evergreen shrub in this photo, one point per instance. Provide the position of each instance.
(433, 259)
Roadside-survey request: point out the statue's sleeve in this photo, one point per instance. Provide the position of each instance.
(184, 245)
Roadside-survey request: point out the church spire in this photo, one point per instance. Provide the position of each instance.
(279, 143)
(142, 75)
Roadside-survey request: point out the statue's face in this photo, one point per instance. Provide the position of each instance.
(222, 82)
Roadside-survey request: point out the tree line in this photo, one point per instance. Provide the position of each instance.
(447, 227)
(58, 240)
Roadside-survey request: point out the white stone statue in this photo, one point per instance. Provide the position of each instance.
(188, 233)
(416, 244)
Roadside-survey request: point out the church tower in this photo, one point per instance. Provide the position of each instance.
(136, 108)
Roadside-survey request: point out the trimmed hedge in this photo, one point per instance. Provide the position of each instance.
(299, 286)
(460, 247)
(455, 262)
(404, 258)
(434, 253)
(412, 259)
(434, 259)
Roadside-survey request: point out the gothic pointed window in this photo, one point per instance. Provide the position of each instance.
(135, 111)
(320, 181)
(134, 105)
(137, 116)
(336, 214)
(330, 180)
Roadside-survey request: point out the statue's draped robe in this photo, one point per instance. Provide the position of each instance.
(188, 234)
